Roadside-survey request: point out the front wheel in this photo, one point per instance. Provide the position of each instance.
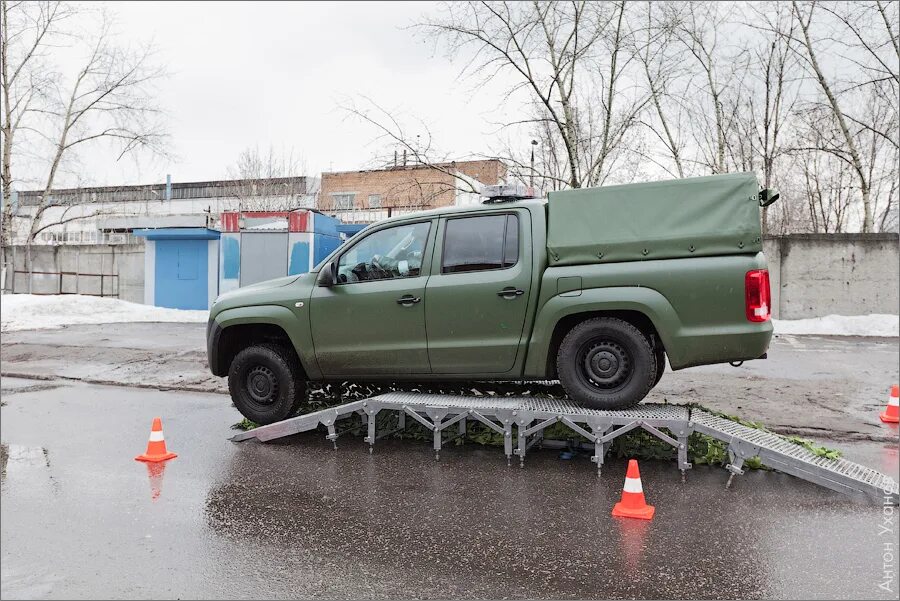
(266, 383)
(606, 363)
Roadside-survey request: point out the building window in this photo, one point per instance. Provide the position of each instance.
(374, 201)
(344, 200)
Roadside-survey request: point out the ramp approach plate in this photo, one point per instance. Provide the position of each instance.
(530, 416)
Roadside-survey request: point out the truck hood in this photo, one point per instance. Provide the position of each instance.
(267, 292)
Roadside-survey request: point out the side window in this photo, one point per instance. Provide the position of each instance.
(480, 243)
(394, 252)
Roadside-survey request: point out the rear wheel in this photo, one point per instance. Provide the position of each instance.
(606, 363)
(266, 383)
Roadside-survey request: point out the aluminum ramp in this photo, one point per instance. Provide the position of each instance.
(779, 453)
(528, 417)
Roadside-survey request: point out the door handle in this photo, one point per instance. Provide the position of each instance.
(408, 300)
(510, 293)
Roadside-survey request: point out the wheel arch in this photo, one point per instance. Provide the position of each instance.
(646, 309)
(564, 325)
(236, 329)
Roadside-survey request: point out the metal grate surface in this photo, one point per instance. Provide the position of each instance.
(649, 411)
(451, 401)
(778, 444)
(539, 405)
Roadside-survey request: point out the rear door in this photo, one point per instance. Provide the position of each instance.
(477, 295)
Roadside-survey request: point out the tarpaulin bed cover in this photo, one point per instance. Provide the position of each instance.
(700, 216)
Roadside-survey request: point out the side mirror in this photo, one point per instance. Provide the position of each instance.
(327, 275)
(768, 196)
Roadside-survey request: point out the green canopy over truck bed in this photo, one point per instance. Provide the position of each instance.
(700, 216)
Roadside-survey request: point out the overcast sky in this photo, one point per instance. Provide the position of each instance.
(258, 74)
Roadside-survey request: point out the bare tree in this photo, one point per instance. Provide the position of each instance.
(434, 172)
(109, 98)
(769, 95)
(699, 27)
(26, 29)
(270, 180)
(660, 61)
(828, 195)
(846, 147)
(571, 62)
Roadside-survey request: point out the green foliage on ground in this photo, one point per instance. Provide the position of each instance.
(815, 449)
(245, 424)
(636, 444)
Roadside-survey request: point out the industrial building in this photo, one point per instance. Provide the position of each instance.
(179, 244)
(375, 194)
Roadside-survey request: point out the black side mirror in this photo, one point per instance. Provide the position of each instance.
(768, 196)
(327, 275)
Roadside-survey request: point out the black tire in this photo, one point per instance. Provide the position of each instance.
(606, 363)
(660, 354)
(266, 383)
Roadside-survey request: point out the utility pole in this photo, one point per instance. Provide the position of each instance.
(531, 177)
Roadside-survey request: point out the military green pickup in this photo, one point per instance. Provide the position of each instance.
(593, 287)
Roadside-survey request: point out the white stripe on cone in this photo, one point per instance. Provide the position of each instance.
(633, 485)
(156, 436)
(895, 401)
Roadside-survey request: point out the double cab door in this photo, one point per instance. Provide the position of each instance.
(444, 295)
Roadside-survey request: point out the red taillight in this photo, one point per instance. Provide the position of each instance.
(758, 295)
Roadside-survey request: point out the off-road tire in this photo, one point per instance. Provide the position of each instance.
(606, 363)
(266, 383)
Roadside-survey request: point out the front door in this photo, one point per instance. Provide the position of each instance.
(372, 320)
(477, 295)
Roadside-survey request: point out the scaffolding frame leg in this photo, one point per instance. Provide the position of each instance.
(371, 419)
(738, 453)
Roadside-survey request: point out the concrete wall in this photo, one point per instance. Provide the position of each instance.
(843, 274)
(81, 267)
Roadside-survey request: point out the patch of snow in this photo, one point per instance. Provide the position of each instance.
(876, 324)
(40, 312)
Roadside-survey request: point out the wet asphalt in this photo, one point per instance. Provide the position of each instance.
(297, 519)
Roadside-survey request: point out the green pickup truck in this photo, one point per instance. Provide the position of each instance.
(593, 287)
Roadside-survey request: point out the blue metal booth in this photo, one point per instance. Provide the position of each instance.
(181, 267)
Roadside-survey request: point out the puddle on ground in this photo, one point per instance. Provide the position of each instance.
(26, 465)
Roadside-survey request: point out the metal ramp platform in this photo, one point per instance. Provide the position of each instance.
(447, 417)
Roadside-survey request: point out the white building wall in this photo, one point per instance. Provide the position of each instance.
(87, 217)
(212, 271)
(149, 272)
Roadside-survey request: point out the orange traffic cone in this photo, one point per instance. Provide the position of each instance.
(891, 414)
(156, 447)
(633, 504)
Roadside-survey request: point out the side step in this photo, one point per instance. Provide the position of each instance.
(532, 415)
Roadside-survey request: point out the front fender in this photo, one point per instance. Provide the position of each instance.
(625, 298)
(296, 328)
